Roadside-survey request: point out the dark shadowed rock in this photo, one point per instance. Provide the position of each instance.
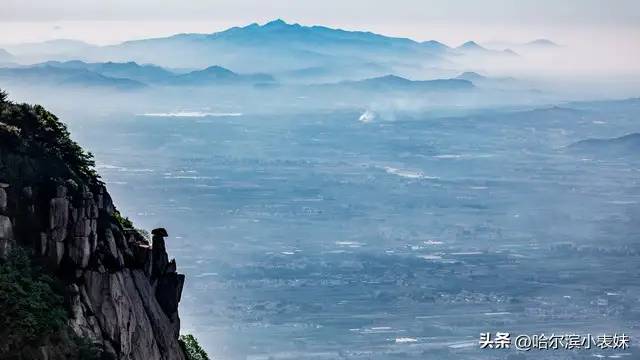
(160, 257)
(168, 292)
(159, 232)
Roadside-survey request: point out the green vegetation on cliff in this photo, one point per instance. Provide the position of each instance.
(32, 131)
(192, 348)
(31, 303)
(124, 221)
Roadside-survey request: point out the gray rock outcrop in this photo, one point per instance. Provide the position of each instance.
(6, 227)
(122, 291)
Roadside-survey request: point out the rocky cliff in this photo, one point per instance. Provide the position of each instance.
(120, 290)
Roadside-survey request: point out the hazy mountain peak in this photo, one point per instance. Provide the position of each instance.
(398, 83)
(391, 78)
(472, 46)
(543, 42)
(276, 23)
(216, 69)
(311, 33)
(471, 76)
(433, 44)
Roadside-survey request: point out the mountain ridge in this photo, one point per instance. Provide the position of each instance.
(280, 45)
(394, 82)
(65, 77)
(124, 75)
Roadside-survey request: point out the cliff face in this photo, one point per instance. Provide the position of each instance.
(120, 290)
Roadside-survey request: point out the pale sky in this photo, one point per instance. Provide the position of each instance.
(450, 21)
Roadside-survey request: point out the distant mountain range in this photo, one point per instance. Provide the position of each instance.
(473, 48)
(472, 76)
(489, 82)
(328, 74)
(49, 75)
(219, 75)
(538, 44)
(133, 76)
(130, 70)
(542, 43)
(279, 46)
(276, 47)
(397, 83)
(129, 75)
(255, 55)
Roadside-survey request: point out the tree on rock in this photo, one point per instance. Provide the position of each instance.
(192, 348)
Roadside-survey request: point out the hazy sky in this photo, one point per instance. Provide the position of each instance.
(450, 21)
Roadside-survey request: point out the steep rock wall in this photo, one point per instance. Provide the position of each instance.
(122, 293)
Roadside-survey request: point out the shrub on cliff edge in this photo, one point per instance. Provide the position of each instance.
(192, 348)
